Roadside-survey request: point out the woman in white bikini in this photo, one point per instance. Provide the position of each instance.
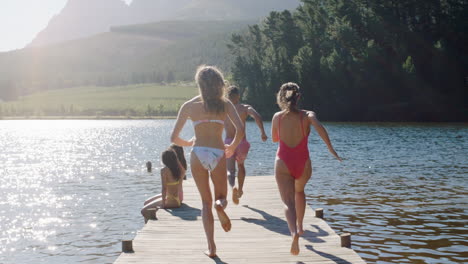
(208, 157)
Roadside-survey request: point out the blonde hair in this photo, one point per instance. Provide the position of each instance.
(211, 84)
(288, 96)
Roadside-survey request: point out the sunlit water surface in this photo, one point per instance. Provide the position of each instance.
(72, 190)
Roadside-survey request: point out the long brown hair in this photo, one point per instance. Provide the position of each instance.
(288, 97)
(180, 154)
(169, 159)
(211, 84)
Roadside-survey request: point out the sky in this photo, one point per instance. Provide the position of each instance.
(21, 20)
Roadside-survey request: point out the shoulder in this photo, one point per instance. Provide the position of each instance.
(309, 113)
(247, 107)
(185, 107)
(277, 115)
(311, 116)
(193, 100)
(165, 171)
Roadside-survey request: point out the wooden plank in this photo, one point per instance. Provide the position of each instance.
(259, 233)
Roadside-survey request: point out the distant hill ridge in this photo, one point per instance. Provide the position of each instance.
(165, 51)
(83, 18)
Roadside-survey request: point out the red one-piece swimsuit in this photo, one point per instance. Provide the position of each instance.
(295, 158)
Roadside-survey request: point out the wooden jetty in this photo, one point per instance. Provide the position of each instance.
(259, 233)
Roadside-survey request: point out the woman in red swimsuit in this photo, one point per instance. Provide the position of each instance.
(291, 127)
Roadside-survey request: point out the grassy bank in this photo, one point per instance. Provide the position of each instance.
(91, 102)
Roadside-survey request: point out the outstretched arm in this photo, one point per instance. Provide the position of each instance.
(258, 119)
(181, 119)
(322, 133)
(240, 129)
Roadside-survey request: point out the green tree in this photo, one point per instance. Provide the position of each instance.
(360, 59)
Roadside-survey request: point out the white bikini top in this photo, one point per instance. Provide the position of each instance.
(195, 123)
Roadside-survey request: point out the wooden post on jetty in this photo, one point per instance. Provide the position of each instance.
(319, 213)
(259, 233)
(346, 240)
(127, 246)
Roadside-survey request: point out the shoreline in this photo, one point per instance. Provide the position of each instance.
(12, 118)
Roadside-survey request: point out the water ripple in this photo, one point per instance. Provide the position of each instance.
(72, 190)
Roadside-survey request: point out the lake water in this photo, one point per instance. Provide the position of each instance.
(71, 190)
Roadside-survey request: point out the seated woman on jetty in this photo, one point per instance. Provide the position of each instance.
(207, 159)
(293, 169)
(171, 182)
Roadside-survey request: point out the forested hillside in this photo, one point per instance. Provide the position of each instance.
(360, 59)
(150, 53)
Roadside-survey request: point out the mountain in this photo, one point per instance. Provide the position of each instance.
(145, 11)
(233, 9)
(157, 52)
(83, 18)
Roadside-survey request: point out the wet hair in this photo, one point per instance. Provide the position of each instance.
(211, 84)
(180, 154)
(288, 97)
(170, 160)
(233, 90)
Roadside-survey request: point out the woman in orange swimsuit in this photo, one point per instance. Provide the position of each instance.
(291, 128)
(171, 181)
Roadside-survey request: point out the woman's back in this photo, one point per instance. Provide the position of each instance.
(171, 182)
(208, 126)
(293, 127)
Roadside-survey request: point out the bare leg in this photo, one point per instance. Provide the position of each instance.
(154, 204)
(219, 179)
(231, 171)
(286, 188)
(300, 211)
(241, 177)
(300, 196)
(149, 200)
(200, 175)
(231, 168)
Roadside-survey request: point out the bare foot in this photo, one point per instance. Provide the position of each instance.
(295, 245)
(222, 216)
(241, 192)
(211, 252)
(235, 196)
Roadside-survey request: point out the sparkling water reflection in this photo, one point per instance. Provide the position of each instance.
(71, 190)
